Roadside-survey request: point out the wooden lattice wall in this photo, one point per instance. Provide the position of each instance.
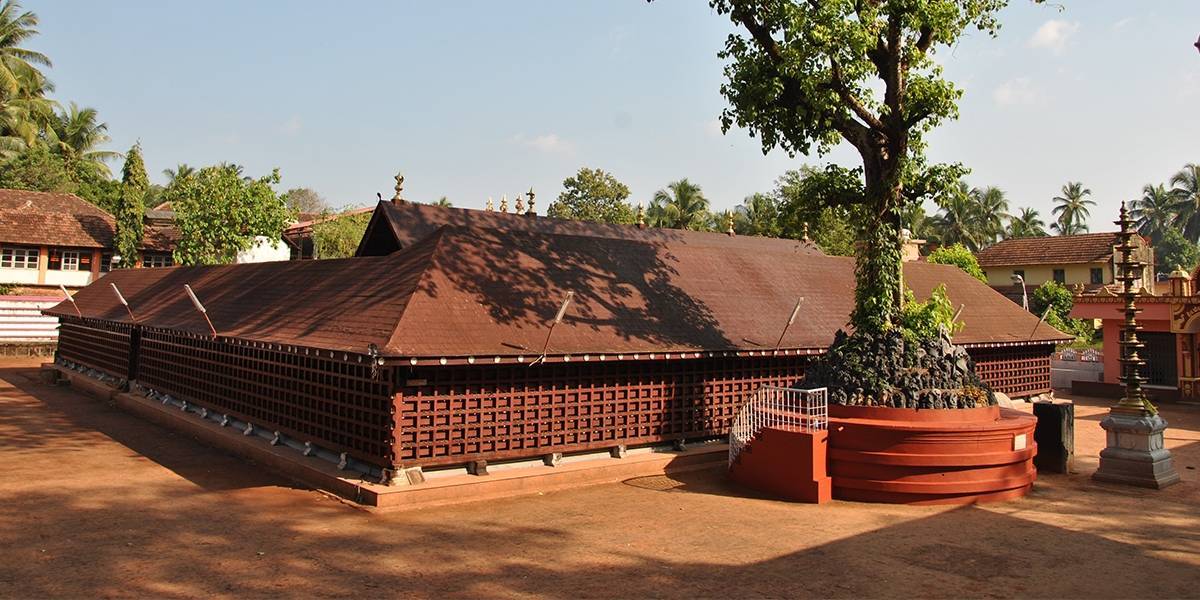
(453, 414)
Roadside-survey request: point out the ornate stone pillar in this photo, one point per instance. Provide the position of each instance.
(1134, 453)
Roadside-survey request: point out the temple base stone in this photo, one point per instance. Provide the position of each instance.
(1135, 454)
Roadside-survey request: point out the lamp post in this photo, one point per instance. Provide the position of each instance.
(1024, 296)
(1134, 453)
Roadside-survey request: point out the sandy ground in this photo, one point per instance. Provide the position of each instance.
(94, 502)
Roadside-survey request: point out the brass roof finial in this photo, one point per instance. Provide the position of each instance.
(729, 223)
(532, 212)
(504, 203)
(805, 237)
(641, 216)
(399, 197)
(520, 204)
(489, 206)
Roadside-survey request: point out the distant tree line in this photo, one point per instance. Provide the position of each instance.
(971, 217)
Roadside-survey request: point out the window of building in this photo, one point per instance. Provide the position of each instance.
(106, 262)
(1097, 275)
(1060, 276)
(70, 260)
(157, 260)
(19, 258)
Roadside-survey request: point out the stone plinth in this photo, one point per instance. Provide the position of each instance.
(1135, 454)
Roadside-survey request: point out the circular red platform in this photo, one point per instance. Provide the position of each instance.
(908, 456)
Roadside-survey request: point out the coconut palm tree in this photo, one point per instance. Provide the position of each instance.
(17, 63)
(1028, 223)
(76, 133)
(991, 209)
(1154, 211)
(958, 220)
(1185, 187)
(757, 215)
(25, 114)
(680, 206)
(1072, 209)
(919, 225)
(181, 171)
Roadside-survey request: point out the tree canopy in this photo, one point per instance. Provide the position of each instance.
(593, 195)
(339, 237)
(220, 213)
(131, 210)
(805, 76)
(303, 200)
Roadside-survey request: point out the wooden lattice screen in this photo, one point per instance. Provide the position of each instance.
(444, 415)
(101, 345)
(332, 402)
(454, 414)
(1018, 371)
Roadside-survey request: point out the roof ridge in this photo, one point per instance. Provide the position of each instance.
(427, 249)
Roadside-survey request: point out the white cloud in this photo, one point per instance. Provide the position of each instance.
(1053, 34)
(549, 143)
(1016, 92)
(292, 126)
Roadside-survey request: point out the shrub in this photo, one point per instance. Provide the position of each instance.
(959, 256)
(924, 320)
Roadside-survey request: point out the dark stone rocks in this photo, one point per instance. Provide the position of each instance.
(888, 370)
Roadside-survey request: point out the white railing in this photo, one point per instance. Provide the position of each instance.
(790, 409)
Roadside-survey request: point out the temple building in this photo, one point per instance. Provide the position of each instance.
(1170, 322)
(458, 337)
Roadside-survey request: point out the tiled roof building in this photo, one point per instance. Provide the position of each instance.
(1072, 260)
(50, 239)
(437, 347)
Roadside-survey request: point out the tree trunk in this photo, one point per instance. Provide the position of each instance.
(879, 288)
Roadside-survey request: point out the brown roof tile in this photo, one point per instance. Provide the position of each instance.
(43, 218)
(1050, 250)
(408, 222)
(470, 291)
(52, 219)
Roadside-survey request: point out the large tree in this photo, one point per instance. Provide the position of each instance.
(25, 112)
(131, 209)
(757, 215)
(681, 205)
(221, 213)
(1071, 206)
(1027, 223)
(77, 133)
(305, 200)
(593, 195)
(1154, 211)
(805, 75)
(1185, 187)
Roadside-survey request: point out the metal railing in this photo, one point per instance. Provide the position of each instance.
(790, 409)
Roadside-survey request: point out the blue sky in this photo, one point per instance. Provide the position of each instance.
(472, 99)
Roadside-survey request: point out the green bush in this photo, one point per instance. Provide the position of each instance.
(1059, 300)
(924, 320)
(959, 256)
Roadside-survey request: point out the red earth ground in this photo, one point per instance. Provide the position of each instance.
(95, 502)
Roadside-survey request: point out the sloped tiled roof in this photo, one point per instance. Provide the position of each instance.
(44, 218)
(399, 225)
(478, 292)
(1051, 250)
(53, 219)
